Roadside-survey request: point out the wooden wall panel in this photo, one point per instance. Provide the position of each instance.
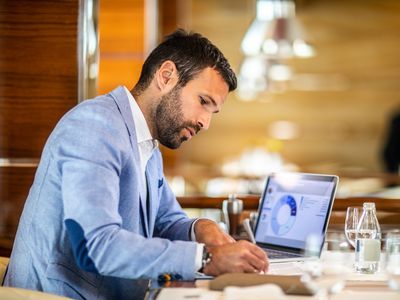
(168, 15)
(121, 28)
(115, 72)
(38, 71)
(38, 84)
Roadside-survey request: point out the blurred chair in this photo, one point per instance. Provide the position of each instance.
(10, 293)
(3, 267)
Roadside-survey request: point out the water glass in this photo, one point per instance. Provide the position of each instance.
(393, 259)
(329, 271)
(353, 215)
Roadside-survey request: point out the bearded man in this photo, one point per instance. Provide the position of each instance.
(100, 220)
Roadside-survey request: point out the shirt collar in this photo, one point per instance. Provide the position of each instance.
(141, 127)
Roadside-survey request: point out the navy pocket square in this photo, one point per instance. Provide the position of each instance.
(160, 182)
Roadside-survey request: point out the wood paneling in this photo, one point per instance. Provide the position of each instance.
(38, 84)
(38, 71)
(250, 202)
(115, 72)
(121, 28)
(168, 16)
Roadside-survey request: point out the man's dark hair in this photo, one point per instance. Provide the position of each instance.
(191, 53)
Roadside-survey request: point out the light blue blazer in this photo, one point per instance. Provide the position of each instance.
(87, 231)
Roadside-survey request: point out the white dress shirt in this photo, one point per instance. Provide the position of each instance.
(146, 145)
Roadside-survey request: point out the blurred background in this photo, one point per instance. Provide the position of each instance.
(326, 111)
(319, 86)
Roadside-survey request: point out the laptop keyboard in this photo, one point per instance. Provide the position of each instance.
(280, 254)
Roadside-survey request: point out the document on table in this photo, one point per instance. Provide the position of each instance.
(203, 276)
(188, 294)
(286, 268)
(283, 268)
(369, 295)
(262, 292)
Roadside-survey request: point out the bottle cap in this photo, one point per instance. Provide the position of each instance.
(232, 197)
(370, 205)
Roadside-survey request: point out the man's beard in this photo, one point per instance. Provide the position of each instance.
(168, 120)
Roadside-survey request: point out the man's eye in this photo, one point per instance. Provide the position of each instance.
(202, 101)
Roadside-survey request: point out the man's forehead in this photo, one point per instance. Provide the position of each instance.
(211, 83)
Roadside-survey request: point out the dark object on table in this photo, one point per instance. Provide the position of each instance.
(391, 151)
(232, 209)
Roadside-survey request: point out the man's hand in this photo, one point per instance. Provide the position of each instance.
(209, 233)
(240, 257)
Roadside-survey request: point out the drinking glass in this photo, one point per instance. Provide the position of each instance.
(353, 215)
(393, 259)
(329, 271)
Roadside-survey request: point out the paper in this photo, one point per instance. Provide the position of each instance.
(286, 268)
(259, 292)
(367, 278)
(203, 276)
(369, 295)
(188, 294)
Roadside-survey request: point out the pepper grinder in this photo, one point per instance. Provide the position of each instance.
(232, 209)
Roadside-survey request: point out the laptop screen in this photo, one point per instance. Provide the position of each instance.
(293, 206)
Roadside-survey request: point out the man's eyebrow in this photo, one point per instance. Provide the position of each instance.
(213, 102)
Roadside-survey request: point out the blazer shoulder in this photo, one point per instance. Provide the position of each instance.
(100, 109)
(99, 117)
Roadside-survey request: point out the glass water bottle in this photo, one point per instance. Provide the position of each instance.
(368, 241)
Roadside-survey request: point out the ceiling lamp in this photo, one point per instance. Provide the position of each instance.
(253, 78)
(258, 74)
(275, 32)
(274, 36)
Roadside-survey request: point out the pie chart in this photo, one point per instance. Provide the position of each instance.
(283, 215)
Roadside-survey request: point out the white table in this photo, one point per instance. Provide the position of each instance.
(358, 286)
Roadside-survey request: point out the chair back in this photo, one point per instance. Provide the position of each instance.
(3, 267)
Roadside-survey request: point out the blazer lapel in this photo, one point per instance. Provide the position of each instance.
(121, 99)
(143, 206)
(152, 185)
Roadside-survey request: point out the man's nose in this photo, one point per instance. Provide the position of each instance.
(204, 121)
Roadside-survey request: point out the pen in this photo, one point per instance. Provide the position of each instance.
(249, 231)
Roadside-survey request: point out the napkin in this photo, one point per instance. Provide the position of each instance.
(187, 293)
(258, 292)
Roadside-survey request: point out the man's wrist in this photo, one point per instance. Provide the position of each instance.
(198, 257)
(193, 236)
(206, 259)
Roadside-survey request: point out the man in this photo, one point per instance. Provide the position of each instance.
(391, 150)
(100, 219)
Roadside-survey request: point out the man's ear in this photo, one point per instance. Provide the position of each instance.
(166, 76)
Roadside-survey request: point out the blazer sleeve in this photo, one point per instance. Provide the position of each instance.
(171, 222)
(91, 149)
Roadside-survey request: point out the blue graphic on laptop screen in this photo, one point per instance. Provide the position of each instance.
(293, 208)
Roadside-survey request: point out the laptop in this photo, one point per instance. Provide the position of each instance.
(294, 207)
